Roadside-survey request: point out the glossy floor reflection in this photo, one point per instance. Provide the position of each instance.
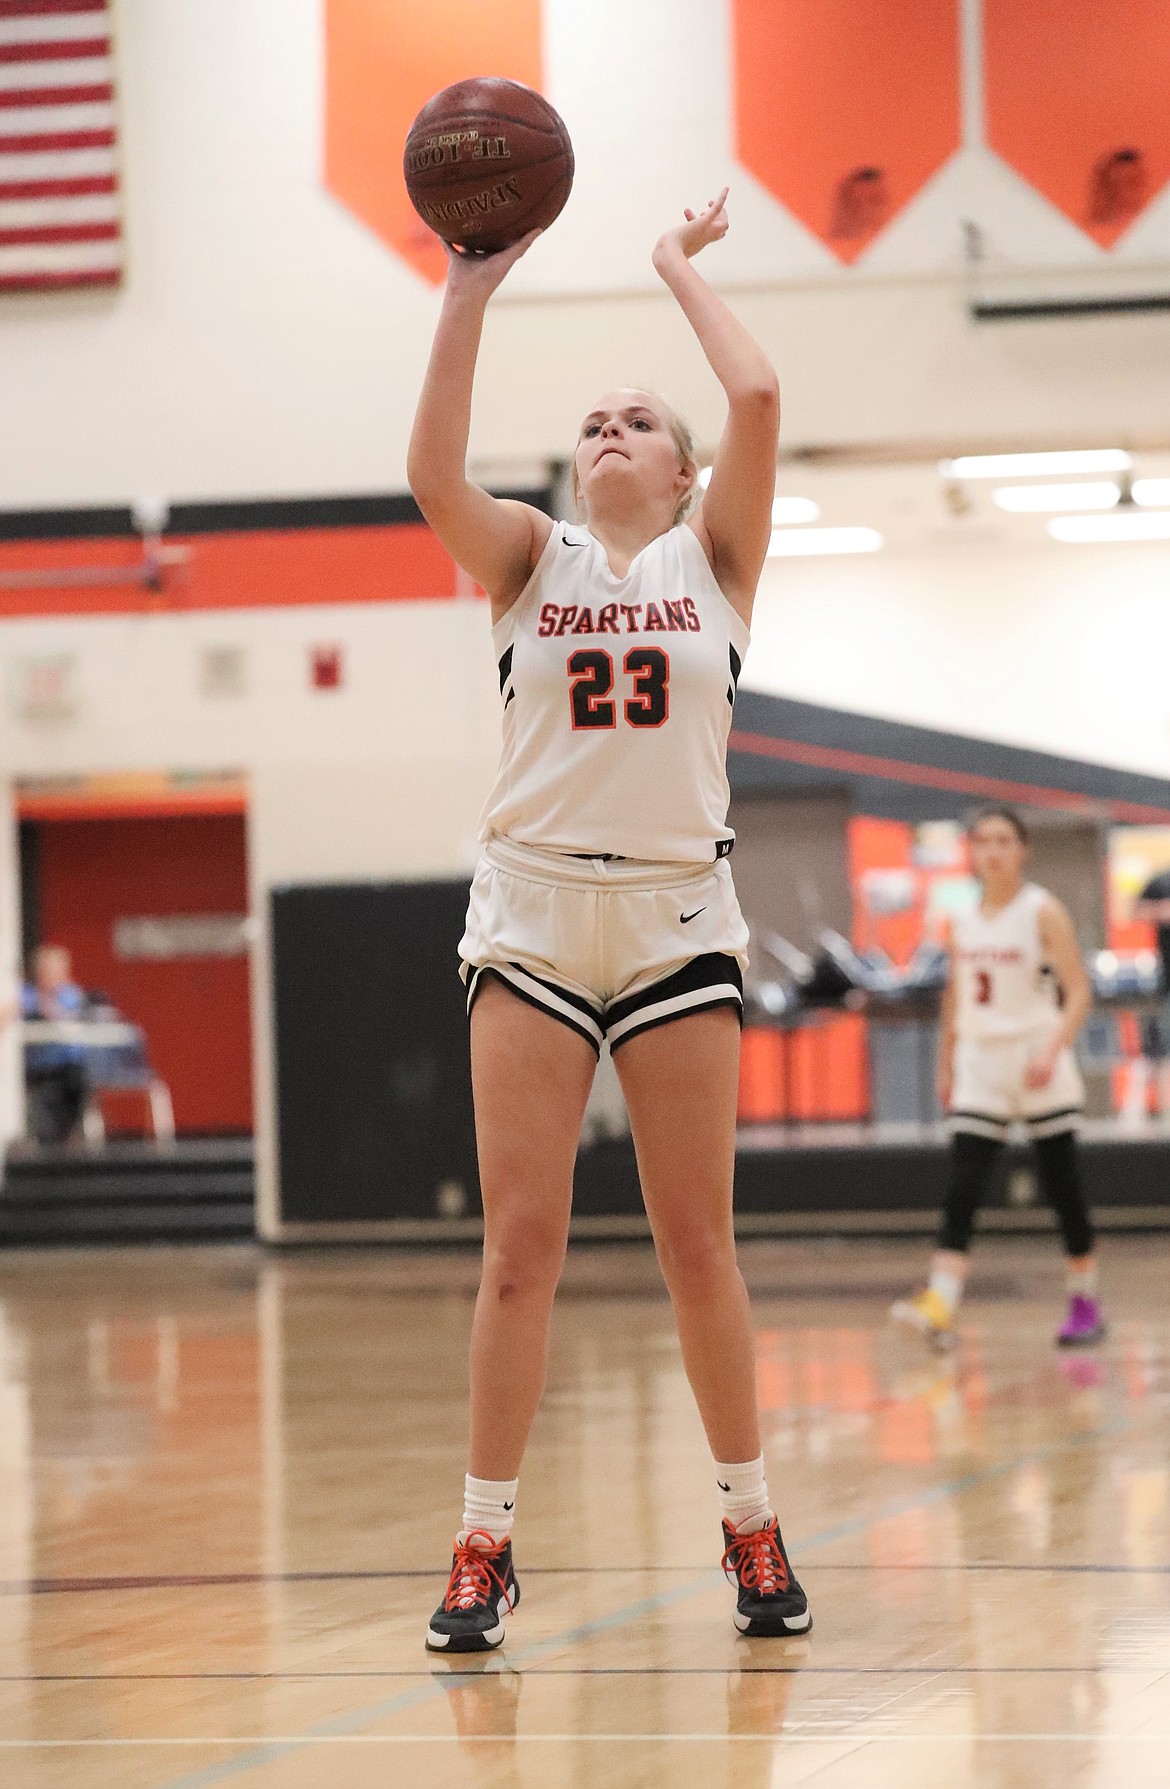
(228, 1484)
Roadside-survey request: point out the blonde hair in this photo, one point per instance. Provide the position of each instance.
(684, 441)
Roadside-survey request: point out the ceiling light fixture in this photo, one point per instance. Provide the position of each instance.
(1036, 465)
(1153, 525)
(797, 543)
(1151, 493)
(1036, 499)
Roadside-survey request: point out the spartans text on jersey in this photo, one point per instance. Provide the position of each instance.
(680, 618)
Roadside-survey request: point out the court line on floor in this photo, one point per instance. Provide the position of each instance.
(219, 1580)
(770, 1737)
(456, 1676)
(263, 1753)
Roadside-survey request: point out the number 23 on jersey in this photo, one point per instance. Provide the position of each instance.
(592, 679)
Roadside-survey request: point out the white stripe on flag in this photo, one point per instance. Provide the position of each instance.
(27, 121)
(55, 27)
(61, 257)
(57, 164)
(77, 72)
(35, 214)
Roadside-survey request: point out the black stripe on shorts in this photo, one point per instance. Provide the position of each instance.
(571, 1009)
(1060, 1112)
(705, 982)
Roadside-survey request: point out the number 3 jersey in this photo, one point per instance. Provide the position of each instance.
(1004, 987)
(617, 698)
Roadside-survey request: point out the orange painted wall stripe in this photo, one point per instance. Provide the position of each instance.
(175, 805)
(266, 569)
(384, 60)
(1078, 102)
(844, 108)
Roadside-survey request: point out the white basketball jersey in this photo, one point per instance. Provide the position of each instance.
(1003, 985)
(617, 700)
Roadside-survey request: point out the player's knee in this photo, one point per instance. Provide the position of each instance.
(973, 1161)
(695, 1256)
(523, 1261)
(1057, 1160)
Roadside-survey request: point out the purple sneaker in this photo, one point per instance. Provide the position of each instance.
(1084, 1323)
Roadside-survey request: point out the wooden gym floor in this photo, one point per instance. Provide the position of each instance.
(228, 1484)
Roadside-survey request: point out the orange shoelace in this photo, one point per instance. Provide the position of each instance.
(473, 1573)
(757, 1561)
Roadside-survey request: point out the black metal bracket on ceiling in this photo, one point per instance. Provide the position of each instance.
(983, 310)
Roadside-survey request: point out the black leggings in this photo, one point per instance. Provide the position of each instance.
(973, 1160)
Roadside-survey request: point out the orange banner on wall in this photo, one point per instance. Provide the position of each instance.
(1077, 103)
(384, 60)
(844, 109)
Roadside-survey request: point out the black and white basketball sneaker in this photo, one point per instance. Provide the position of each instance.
(481, 1590)
(770, 1600)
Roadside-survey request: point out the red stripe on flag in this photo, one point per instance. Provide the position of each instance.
(63, 50)
(21, 9)
(56, 96)
(78, 186)
(37, 233)
(43, 141)
(43, 282)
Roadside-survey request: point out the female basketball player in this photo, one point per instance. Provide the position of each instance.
(603, 906)
(1004, 1053)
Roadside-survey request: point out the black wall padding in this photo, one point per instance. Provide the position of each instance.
(373, 1069)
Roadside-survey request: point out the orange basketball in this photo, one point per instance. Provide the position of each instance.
(486, 161)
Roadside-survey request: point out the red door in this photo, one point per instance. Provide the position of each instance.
(195, 1010)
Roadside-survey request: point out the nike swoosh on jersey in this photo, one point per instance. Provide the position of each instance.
(685, 919)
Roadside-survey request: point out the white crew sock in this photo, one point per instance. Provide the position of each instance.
(949, 1287)
(743, 1494)
(488, 1504)
(1081, 1276)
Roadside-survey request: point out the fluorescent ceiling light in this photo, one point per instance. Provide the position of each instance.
(1154, 525)
(1033, 499)
(1148, 493)
(795, 543)
(1036, 465)
(787, 510)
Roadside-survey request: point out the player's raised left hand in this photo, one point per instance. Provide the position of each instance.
(702, 227)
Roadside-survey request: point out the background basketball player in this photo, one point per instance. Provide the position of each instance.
(603, 906)
(1017, 995)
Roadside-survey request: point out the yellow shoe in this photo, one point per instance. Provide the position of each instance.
(928, 1313)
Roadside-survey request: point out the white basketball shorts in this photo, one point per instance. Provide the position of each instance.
(611, 947)
(989, 1091)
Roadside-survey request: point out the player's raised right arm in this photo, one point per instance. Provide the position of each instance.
(495, 540)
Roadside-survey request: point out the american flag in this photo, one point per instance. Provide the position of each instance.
(59, 212)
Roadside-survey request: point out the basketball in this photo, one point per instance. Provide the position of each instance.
(486, 161)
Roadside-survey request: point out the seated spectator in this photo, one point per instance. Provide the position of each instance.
(54, 1071)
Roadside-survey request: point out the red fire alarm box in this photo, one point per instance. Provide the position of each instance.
(325, 667)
